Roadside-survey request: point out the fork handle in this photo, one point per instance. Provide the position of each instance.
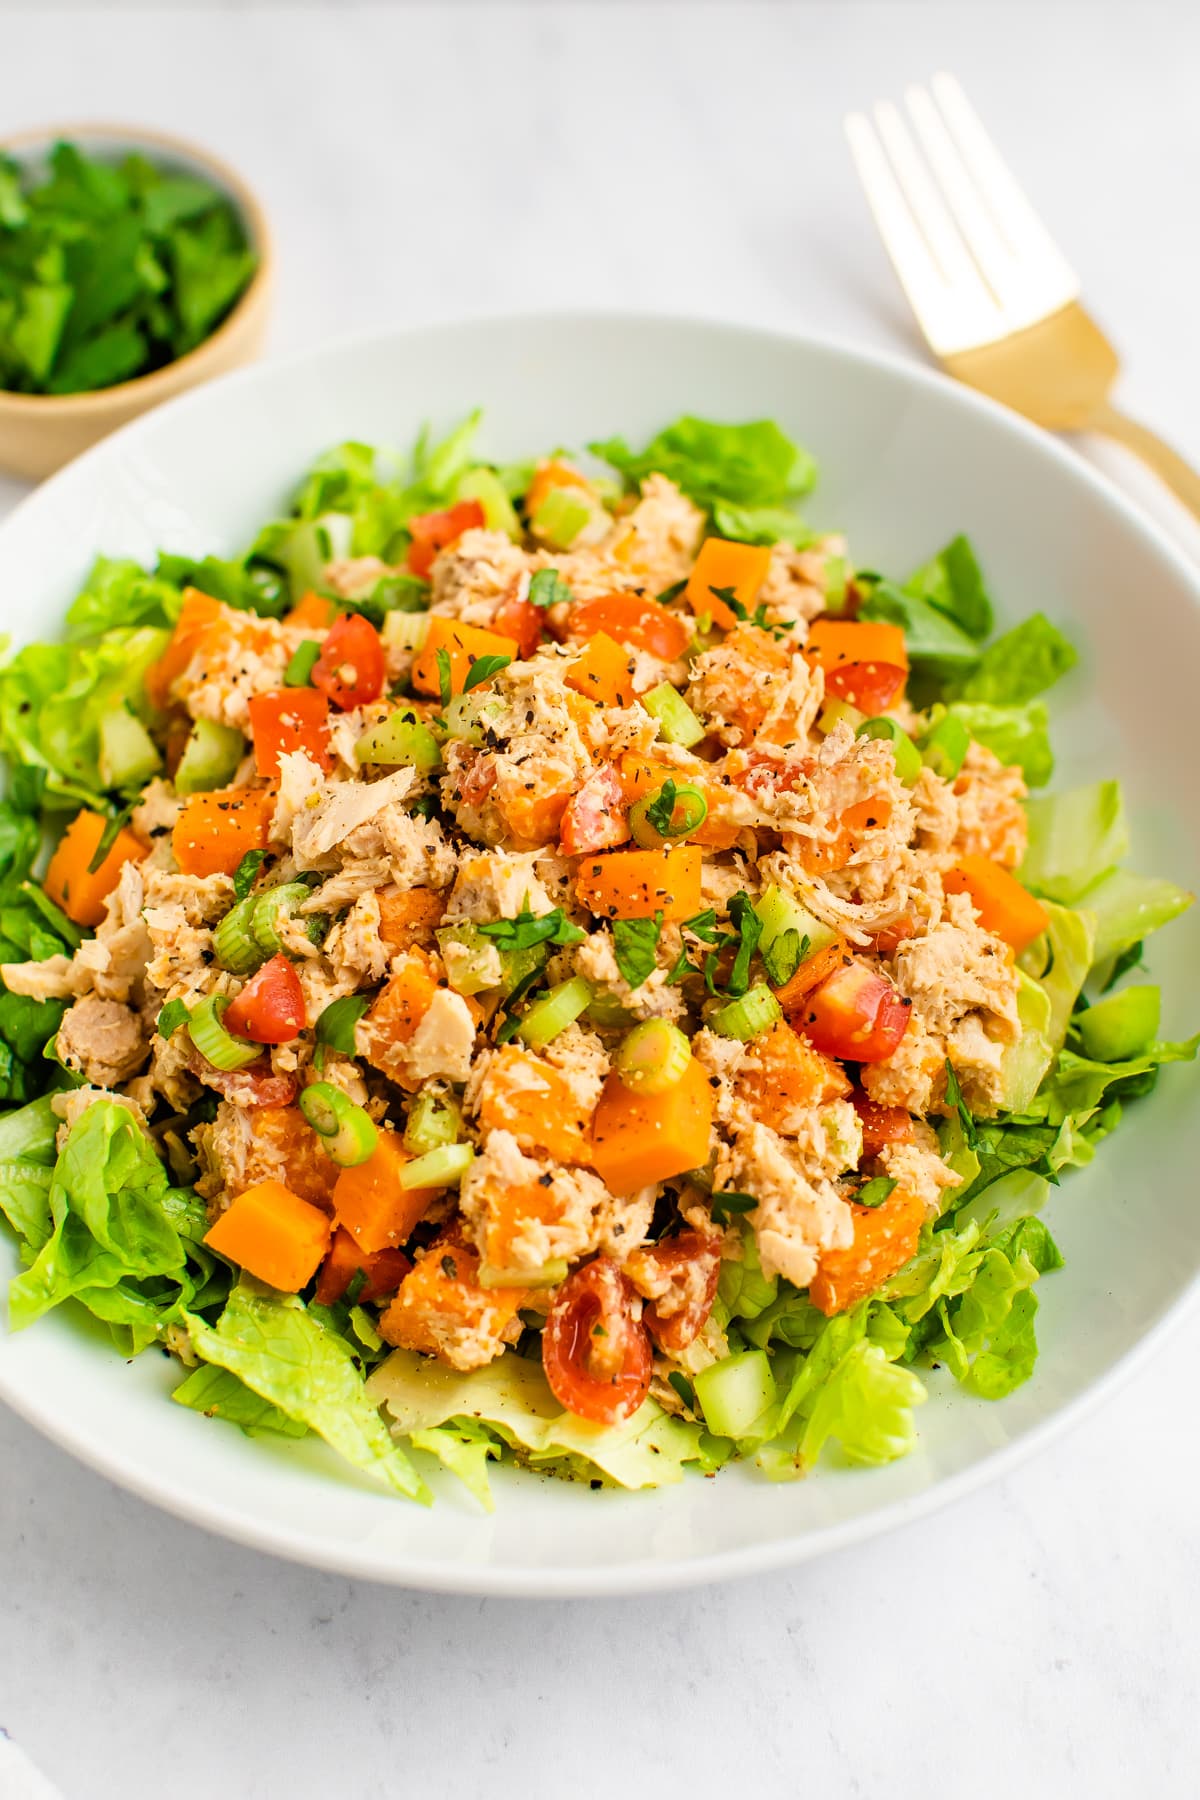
(1167, 464)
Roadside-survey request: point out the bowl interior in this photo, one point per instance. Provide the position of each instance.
(906, 461)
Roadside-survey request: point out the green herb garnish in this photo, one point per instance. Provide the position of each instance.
(635, 943)
(549, 589)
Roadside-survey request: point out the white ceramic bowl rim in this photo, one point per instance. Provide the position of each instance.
(643, 1575)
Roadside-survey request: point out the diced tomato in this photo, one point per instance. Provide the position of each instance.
(383, 1270)
(690, 1264)
(255, 1086)
(285, 720)
(477, 779)
(351, 668)
(596, 1355)
(630, 619)
(595, 818)
(522, 620)
(431, 532)
(889, 940)
(871, 686)
(854, 1015)
(270, 1008)
(882, 1125)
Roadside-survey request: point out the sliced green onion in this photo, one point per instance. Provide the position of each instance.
(304, 659)
(560, 518)
(406, 631)
(677, 723)
(905, 752)
(653, 1057)
(234, 942)
(467, 715)
(670, 814)
(945, 748)
(838, 712)
(606, 1010)
(443, 1167)
(433, 1120)
(874, 1193)
(554, 1012)
(735, 1393)
(222, 1049)
(128, 754)
(400, 739)
(269, 910)
(549, 1275)
(749, 1017)
(210, 758)
(499, 514)
(348, 1135)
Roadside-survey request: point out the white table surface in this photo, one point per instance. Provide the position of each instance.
(419, 160)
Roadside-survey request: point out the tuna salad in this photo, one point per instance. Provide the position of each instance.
(555, 963)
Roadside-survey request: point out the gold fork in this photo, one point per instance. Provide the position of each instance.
(997, 302)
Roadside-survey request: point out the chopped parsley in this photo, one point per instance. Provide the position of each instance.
(783, 955)
(336, 1027)
(549, 589)
(729, 1202)
(109, 836)
(482, 669)
(527, 930)
(173, 1015)
(955, 1099)
(874, 1193)
(246, 873)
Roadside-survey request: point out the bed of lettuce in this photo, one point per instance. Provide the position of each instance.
(101, 1224)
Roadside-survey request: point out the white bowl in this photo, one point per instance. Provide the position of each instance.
(906, 460)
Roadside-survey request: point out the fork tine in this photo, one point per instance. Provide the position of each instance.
(947, 323)
(1016, 220)
(991, 253)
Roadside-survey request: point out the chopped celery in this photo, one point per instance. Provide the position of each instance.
(749, 1017)
(1121, 1026)
(554, 1012)
(128, 755)
(780, 912)
(549, 1275)
(467, 715)
(735, 1393)
(486, 486)
(838, 712)
(210, 758)
(836, 573)
(443, 1167)
(560, 518)
(405, 631)
(606, 1010)
(303, 661)
(269, 910)
(473, 964)
(222, 1049)
(677, 723)
(653, 1057)
(905, 753)
(400, 739)
(433, 1120)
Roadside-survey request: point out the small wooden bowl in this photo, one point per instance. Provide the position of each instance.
(40, 432)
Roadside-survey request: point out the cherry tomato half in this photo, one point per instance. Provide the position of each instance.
(431, 532)
(854, 1015)
(596, 1355)
(629, 619)
(871, 686)
(882, 1125)
(522, 620)
(690, 1264)
(270, 1008)
(351, 669)
(255, 1086)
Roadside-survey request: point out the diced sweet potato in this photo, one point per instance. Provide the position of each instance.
(441, 1309)
(783, 1075)
(523, 1094)
(407, 917)
(885, 1237)
(396, 1012)
(370, 1202)
(641, 1138)
(273, 1234)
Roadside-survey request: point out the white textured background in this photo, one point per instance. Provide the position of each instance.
(418, 160)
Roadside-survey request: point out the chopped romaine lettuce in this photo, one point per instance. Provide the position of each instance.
(218, 1394)
(930, 634)
(737, 466)
(1016, 734)
(953, 582)
(1128, 907)
(291, 1358)
(1074, 839)
(1020, 665)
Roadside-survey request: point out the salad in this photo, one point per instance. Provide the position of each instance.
(554, 962)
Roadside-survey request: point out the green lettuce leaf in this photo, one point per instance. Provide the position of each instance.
(1128, 907)
(53, 696)
(121, 593)
(753, 465)
(220, 1395)
(930, 634)
(952, 581)
(1016, 734)
(465, 1447)
(1020, 665)
(288, 1357)
(512, 1398)
(31, 929)
(1074, 839)
(125, 1243)
(761, 525)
